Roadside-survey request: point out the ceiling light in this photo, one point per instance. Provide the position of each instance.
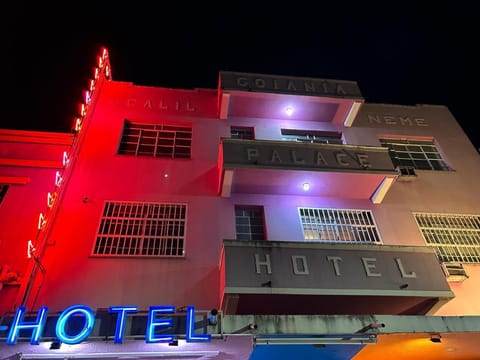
(289, 110)
(436, 338)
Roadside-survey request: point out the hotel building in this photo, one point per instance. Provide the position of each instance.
(272, 217)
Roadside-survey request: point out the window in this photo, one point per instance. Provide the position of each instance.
(156, 140)
(249, 222)
(419, 154)
(312, 136)
(3, 191)
(141, 229)
(242, 132)
(340, 226)
(455, 238)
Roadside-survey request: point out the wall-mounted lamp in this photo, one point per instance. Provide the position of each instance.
(369, 327)
(173, 343)
(306, 186)
(436, 338)
(212, 317)
(55, 345)
(267, 284)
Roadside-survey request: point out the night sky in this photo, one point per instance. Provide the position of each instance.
(423, 54)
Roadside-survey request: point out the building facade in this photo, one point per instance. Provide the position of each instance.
(250, 221)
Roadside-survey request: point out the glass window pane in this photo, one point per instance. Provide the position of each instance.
(338, 225)
(402, 150)
(155, 140)
(141, 229)
(455, 238)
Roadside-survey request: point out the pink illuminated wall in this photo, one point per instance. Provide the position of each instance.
(92, 173)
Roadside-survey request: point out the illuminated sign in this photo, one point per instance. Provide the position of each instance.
(156, 321)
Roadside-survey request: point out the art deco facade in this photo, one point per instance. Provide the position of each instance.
(295, 210)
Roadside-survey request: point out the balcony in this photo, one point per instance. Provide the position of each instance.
(277, 277)
(294, 168)
(269, 96)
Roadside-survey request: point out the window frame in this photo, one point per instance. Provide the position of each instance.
(456, 250)
(153, 134)
(250, 233)
(144, 222)
(312, 136)
(415, 158)
(343, 229)
(243, 130)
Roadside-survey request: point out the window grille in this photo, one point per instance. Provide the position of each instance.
(3, 191)
(249, 222)
(455, 238)
(141, 229)
(419, 154)
(312, 136)
(242, 132)
(156, 140)
(339, 226)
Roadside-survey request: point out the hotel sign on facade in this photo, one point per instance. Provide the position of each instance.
(307, 268)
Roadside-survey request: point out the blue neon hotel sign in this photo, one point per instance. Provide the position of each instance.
(154, 322)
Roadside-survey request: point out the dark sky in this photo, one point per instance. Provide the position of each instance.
(399, 54)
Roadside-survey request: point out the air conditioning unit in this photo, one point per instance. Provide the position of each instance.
(454, 271)
(406, 173)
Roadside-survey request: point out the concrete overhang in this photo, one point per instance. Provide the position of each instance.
(284, 167)
(293, 277)
(277, 97)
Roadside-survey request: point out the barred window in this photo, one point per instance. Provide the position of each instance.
(141, 229)
(339, 226)
(455, 238)
(249, 222)
(156, 140)
(312, 136)
(3, 191)
(242, 132)
(419, 154)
